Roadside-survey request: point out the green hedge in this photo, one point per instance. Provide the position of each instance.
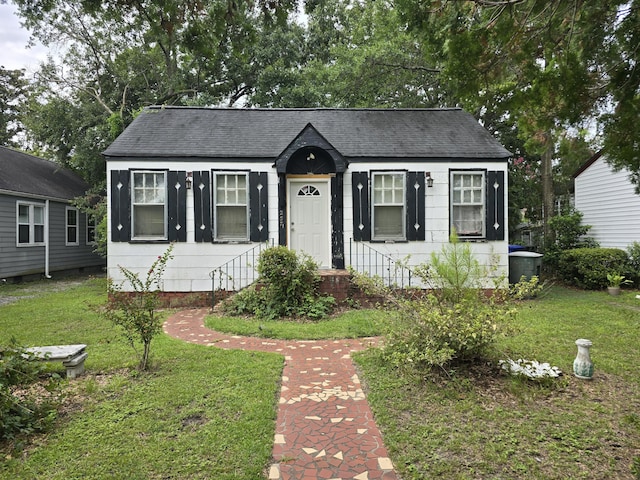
(588, 267)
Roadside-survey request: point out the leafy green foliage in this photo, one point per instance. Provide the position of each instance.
(633, 251)
(286, 287)
(136, 312)
(569, 233)
(14, 89)
(22, 414)
(526, 289)
(456, 321)
(588, 267)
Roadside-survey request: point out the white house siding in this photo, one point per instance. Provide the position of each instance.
(192, 263)
(609, 204)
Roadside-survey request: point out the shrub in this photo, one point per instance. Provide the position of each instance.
(569, 234)
(25, 413)
(456, 321)
(287, 287)
(588, 267)
(633, 252)
(135, 312)
(427, 332)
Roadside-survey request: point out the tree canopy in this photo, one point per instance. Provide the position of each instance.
(553, 79)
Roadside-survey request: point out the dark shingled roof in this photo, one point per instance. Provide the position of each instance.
(265, 133)
(21, 173)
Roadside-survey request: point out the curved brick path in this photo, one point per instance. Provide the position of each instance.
(325, 428)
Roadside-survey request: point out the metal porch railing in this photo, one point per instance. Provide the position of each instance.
(237, 273)
(367, 260)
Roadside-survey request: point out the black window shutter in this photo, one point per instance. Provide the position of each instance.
(177, 198)
(415, 206)
(202, 206)
(361, 217)
(258, 208)
(495, 205)
(120, 206)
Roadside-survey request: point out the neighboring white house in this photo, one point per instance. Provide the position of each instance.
(328, 182)
(608, 201)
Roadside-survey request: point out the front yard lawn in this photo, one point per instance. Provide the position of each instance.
(208, 413)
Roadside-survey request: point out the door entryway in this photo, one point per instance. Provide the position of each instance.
(309, 218)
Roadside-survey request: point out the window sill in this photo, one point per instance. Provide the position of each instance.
(22, 245)
(149, 240)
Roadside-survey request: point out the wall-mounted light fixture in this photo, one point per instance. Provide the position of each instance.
(189, 181)
(428, 179)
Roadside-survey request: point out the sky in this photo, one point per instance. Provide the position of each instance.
(14, 53)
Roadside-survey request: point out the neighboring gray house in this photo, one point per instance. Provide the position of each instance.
(40, 231)
(329, 182)
(608, 202)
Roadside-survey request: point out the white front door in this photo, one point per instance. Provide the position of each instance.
(310, 219)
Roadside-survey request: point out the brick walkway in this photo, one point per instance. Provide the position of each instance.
(325, 428)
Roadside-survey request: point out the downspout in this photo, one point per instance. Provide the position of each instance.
(46, 240)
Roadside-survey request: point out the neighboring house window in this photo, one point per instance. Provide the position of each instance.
(148, 205)
(468, 203)
(388, 212)
(72, 226)
(91, 229)
(231, 212)
(30, 224)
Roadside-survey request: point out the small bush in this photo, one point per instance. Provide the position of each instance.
(22, 414)
(427, 332)
(633, 251)
(287, 287)
(588, 267)
(455, 321)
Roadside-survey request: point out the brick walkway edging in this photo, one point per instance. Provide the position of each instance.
(324, 427)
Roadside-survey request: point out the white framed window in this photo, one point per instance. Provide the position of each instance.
(30, 223)
(468, 203)
(231, 206)
(148, 205)
(388, 206)
(91, 230)
(71, 226)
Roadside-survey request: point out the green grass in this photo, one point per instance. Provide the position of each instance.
(350, 324)
(200, 413)
(208, 413)
(479, 424)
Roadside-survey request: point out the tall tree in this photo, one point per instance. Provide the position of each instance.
(546, 64)
(13, 94)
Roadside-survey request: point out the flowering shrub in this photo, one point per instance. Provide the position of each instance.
(531, 369)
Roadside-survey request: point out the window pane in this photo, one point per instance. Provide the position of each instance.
(38, 215)
(388, 222)
(72, 233)
(38, 232)
(149, 221)
(72, 217)
(23, 234)
(231, 222)
(23, 213)
(467, 220)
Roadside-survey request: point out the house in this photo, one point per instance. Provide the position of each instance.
(41, 232)
(608, 202)
(370, 186)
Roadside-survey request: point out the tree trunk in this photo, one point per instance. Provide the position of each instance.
(548, 197)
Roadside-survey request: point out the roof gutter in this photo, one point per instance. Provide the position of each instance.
(33, 196)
